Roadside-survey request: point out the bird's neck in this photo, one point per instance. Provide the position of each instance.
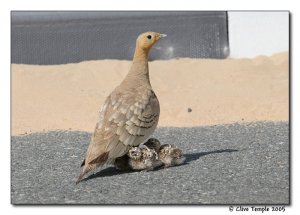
(139, 71)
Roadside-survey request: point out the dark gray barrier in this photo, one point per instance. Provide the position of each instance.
(67, 37)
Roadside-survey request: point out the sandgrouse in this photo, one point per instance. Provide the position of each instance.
(170, 155)
(140, 158)
(144, 159)
(129, 114)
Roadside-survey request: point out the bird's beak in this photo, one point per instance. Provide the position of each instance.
(162, 35)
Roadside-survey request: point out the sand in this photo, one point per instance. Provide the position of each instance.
(192, 92)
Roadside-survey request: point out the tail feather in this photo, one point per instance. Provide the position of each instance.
(80, 178)
(87, 167)
(84, 170)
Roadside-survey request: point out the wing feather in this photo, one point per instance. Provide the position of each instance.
(125, 120)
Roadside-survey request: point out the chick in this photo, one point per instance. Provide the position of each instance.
(134, 155)
(143, 159)
(170, 155)
(153, 143)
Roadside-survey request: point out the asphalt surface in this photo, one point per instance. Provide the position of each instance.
(228, 164)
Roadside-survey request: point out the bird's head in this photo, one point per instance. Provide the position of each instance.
(135, 153)
(146, 40)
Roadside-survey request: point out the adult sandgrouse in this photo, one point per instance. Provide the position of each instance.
(129, 114)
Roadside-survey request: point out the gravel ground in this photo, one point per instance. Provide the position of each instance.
(225, 164)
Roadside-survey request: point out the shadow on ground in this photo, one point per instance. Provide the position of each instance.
(195, 156)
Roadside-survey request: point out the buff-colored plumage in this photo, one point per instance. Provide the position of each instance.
(147, 161)
(143, 159)
(170, 155)
(130, 113)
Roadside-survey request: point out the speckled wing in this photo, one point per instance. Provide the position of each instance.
(126, 120)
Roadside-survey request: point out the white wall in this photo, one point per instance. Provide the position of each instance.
(258, 33)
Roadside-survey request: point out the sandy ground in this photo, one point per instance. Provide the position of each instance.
(68, 97)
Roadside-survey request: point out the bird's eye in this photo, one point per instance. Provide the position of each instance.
(149, 37)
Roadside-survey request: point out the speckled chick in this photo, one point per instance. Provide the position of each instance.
(143, 159)
(170, 155)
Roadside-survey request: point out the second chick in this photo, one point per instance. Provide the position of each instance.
(170, 155)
